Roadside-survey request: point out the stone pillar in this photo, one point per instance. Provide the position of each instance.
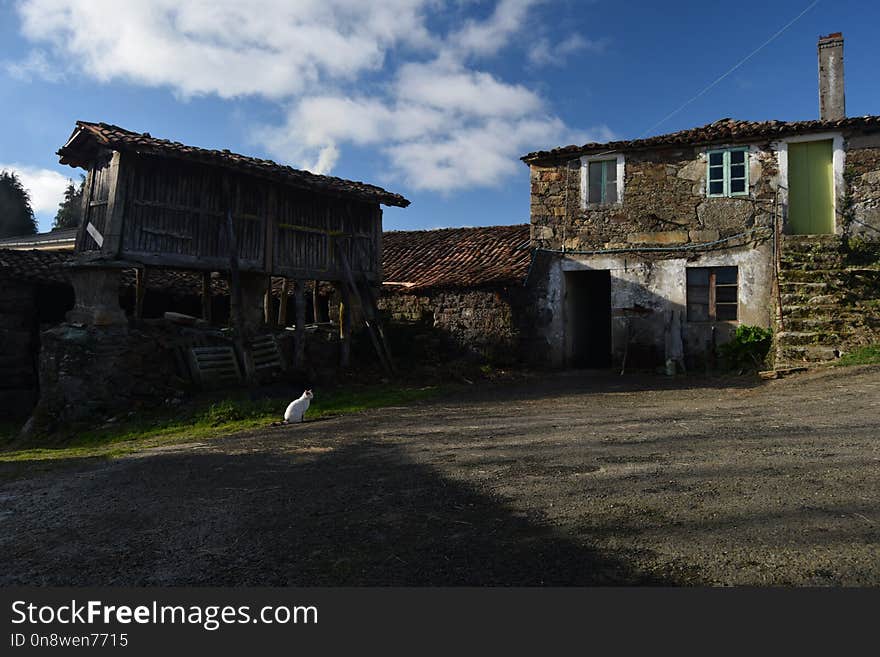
(97, 297)
(253, 290)
(832, 102)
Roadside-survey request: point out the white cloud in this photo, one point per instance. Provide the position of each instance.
(348, 72)
(45, 186)
(35, 64)
(544, 53)
(272, 48)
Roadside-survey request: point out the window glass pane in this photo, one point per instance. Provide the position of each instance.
(716, 159)
(725, 311)
(725, 275)
(738, 171)
(699, 276)
(611, 191)
(595, 191)
(716, 173)
(737, 157)
(698, 295)
(737, 186)
(716, 187)
(725, 294)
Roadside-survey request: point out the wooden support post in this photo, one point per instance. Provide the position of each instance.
(345, 312)
(300, 333)
(268, 315)
(315, 318)
(140, 290)
(282, 303)
(235, 296)
(206, 296)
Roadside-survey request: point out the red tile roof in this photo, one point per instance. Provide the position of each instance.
(120, 139)
(723, 130)
(412, 260)
(455, 257)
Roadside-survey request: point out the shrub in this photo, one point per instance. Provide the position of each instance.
(748, 348)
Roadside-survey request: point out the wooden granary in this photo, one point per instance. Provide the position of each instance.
(151, 202)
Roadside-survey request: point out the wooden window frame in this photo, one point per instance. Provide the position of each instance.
(617, 170)
(713, 303)
(725, 167)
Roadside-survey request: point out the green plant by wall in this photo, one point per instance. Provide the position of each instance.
(748, 348)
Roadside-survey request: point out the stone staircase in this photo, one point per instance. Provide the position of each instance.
(829, 299)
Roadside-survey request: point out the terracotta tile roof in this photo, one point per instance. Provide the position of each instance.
(121, 139)
(35, 266)
(455, 257)
(723, 130)
(412, 260)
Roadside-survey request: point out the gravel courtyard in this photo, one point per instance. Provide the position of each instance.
(570, 479)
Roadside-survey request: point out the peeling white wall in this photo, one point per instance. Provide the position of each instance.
(660, 288)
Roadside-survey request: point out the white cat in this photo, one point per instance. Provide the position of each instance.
(298, 407)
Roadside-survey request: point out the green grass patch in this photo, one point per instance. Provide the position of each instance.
(201, 419)
(869, 355)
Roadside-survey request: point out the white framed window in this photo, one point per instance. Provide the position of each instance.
(727, 172)
(602, 179)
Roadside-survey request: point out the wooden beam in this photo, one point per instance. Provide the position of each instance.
(345, 321)
(115, 206)
(140, 291)
(206, 297)
(268, 315)
(315, 318)
(300, 332)
(282, 303)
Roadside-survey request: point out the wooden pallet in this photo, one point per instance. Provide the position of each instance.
(266, 353)
(215, 366)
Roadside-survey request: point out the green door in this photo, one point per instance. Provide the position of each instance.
(811, 187)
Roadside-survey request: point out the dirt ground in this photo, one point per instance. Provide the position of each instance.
(570, 479)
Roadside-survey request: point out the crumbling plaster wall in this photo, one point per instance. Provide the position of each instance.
(646, 292)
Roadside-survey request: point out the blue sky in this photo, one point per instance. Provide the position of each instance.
(435, 100)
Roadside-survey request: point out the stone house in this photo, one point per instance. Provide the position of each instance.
(466, 285)
(652, 251)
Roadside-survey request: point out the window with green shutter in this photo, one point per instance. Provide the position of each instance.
(602, 181)
(728, 172)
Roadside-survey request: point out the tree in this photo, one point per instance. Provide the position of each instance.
(16, 214)
(70, 209)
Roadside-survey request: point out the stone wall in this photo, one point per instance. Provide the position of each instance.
(480, 322)
(18, 326)
(91, 373)
(860, 214)
(664, 203)
(830, 298)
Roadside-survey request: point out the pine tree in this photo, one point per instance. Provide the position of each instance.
(70, 209)
(16, 214)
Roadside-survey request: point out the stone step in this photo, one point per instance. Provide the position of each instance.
(812, 288)
(806, 354)
(840, 326)
(803, 338)
(798, 299)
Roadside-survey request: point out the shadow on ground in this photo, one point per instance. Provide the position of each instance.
(363, 514)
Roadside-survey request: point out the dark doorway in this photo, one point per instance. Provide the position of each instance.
(588, 318)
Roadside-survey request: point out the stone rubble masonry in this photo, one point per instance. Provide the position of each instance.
(18, 385)
(830, 298)
(664, 203)
(482, 322)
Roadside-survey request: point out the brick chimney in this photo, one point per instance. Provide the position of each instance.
(832, 104)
